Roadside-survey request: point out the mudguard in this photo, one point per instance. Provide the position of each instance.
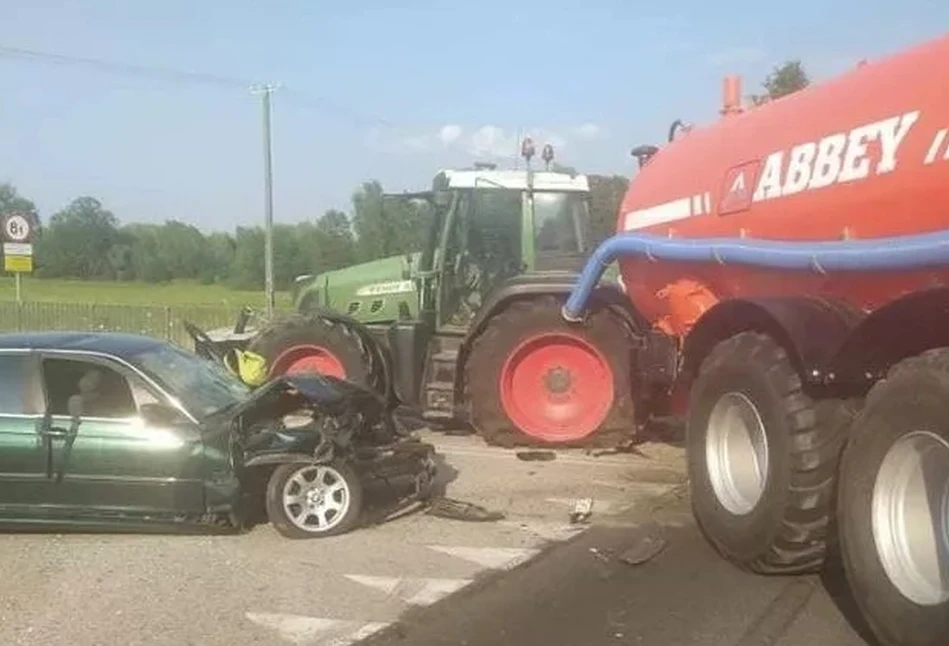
(904, 327)
(810, 330)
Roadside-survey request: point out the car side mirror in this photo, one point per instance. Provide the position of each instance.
(160, 415)
(74, 406)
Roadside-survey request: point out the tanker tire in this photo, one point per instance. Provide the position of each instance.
(525, 318)
(311, 329)
(788, 529)
(914, 396)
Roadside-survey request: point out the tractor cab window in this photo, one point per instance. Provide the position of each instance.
(482, 248)
(560, 220)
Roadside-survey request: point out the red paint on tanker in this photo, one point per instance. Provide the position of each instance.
(864, 155)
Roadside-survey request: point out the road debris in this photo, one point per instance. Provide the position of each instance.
(536, 456)
(459, 510)
(647, 548)
(582, 510)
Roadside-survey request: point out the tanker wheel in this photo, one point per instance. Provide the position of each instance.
(308, 344)
(762, 458)
(534, 380)
(894, 504)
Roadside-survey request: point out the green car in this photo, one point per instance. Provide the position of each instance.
(118, 430)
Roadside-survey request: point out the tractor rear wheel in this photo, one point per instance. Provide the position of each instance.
(532, 379)
(311, 343)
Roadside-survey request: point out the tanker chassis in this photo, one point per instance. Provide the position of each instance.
(792, 263)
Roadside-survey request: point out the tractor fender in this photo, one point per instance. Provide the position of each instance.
(527, 286)
(379, 351)
(904, 327)
(809, 329)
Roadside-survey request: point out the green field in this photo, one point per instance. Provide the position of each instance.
(155, 310)
(118, 293)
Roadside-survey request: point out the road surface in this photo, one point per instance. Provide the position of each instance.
(259, 588)
(582, 593)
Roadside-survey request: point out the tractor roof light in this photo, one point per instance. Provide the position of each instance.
(547, 155)
(527, 149)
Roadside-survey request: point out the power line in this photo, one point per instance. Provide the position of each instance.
(140, 71)
(317, 103)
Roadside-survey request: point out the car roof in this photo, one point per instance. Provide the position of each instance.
(119, 344)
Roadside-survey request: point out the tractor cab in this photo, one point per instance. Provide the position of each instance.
(497, 224)
(487, 225)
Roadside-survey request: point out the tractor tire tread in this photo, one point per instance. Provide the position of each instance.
(339, 332)
(818, 431)
(481, 384)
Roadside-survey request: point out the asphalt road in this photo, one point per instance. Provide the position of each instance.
(259, 588)
(531, 579)
(582, 593)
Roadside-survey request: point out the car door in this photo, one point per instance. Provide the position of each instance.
(113, 462)
(24, 451)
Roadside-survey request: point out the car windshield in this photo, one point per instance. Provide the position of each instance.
(202, 386)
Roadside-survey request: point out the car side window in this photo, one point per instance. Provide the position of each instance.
(105, 392)
(15, 385)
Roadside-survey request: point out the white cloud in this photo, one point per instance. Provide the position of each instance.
(449, 133)
(484, 142)
(492, 141)
(587, 131)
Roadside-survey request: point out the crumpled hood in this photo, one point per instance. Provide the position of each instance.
(329, 394)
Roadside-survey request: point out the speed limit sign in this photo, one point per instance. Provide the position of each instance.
(16, 228)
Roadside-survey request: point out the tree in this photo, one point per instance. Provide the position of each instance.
(606, 194)
(783, 80)
(79, 240)
(13, 202)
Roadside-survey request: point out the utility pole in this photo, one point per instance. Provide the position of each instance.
(265, 91)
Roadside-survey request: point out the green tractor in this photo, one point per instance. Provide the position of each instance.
(469, 331)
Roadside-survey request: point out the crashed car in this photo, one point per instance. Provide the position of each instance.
(111, 429)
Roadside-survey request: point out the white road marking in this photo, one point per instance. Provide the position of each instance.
(316, 631)
(550, 531)
(417, 591)
(496, 558)
(607, 507)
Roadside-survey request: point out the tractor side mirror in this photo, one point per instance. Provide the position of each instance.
(442, 199)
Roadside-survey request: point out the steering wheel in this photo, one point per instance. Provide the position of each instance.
(203, 344)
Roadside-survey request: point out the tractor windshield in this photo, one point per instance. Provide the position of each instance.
(560, 222)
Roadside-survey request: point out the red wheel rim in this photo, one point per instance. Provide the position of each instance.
(556, 387)
(303, 359)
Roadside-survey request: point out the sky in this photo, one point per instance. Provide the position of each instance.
(367, 91)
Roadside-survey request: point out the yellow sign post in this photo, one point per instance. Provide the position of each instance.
(17, 247)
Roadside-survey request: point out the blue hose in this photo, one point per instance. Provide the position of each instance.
(901, 252)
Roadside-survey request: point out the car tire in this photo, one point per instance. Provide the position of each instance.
(347, 507)
(904, 601)
(747, 409)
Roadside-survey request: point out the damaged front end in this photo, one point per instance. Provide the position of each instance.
(310, 445)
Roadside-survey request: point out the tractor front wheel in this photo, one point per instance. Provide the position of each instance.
(532, 379)
(313, 344)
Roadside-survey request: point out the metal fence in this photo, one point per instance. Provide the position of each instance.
(159, 321)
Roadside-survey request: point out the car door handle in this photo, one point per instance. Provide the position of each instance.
(56, 431)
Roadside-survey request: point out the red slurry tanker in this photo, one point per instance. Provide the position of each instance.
(789, 266)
